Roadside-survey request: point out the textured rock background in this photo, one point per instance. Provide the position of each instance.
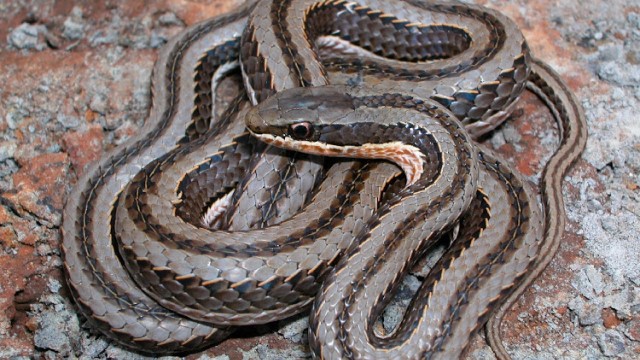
(75, 82)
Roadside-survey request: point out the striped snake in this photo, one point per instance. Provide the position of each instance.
(194, 227)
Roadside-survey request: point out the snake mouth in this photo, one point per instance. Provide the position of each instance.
(408, 157)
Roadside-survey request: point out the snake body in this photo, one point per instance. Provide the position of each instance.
(147, 271)
(394, 238)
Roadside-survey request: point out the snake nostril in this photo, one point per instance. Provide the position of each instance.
(255, 122)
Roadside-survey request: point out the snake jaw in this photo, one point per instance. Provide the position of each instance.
(408, 157)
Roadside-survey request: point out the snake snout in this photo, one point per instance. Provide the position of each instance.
(256, 122)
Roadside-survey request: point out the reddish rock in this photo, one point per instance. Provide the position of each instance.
(21, 228)
(630, 184)
(8, 237)
(90, 116)
(633, 329)
(84, 147)
(40, 186)
(562, 310)
(609, 318)
(192, 12)
(15, 270)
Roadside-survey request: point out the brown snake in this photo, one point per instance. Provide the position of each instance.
(146, 270)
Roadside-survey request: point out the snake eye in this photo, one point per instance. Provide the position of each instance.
(301, 131)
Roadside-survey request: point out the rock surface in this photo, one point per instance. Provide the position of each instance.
(75, 82)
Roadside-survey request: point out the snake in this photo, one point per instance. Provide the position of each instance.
(147, 269)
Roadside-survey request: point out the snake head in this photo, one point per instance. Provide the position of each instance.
(329, 121)
(298, 114)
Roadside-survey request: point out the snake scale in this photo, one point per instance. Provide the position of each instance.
(359, 157)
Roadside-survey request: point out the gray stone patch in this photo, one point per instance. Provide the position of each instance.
(157, 39)
(69, 122)
(57, 328)
(589, 282)
(394, 312)
(207, 357)
(588, 313)
(99, 103)
(92, 347)
(28, 37)
(73, 27)
(263, 352)
(611, 343)
(170, 19)
(7, 150)
(295, 331)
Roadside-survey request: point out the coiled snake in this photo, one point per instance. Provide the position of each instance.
(194, 227)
